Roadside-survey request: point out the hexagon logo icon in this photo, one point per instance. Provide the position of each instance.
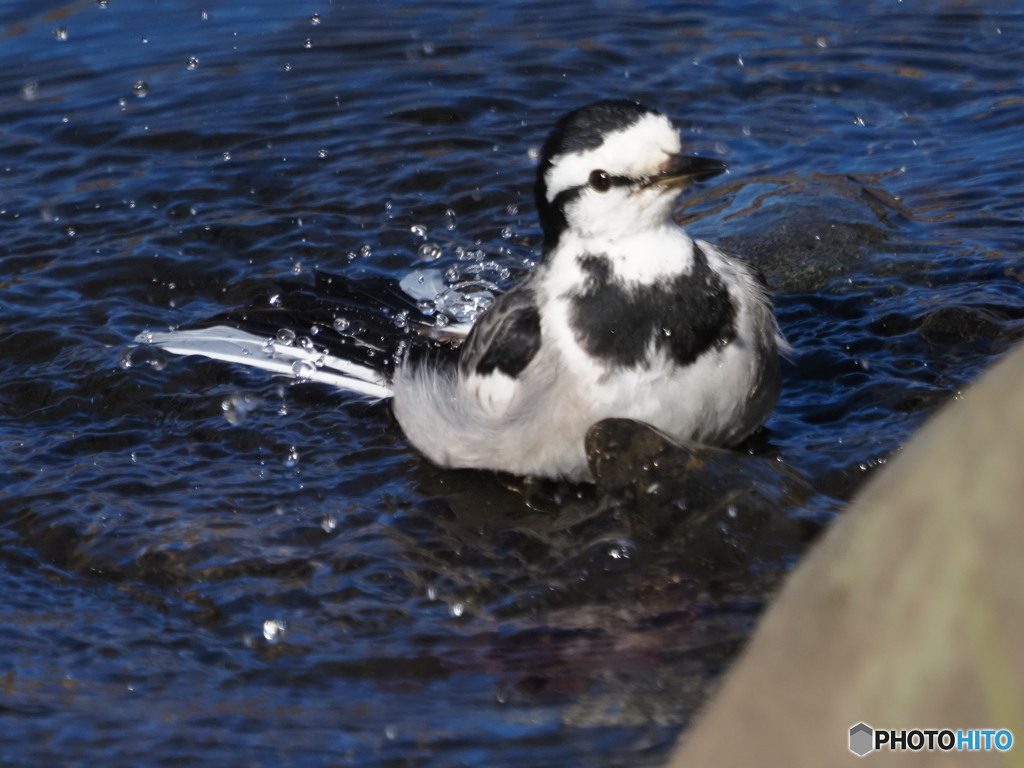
(862, 738)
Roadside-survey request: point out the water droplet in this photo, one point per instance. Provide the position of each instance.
(292, 457)
(402, 320)
(274, 630)
(303, 370)
(430, 251)
(297, 268)
(154, 357)
(306, 343)
(70, 232)
(192, 62)
(285, 336)
(102, 3)
(140, 89)
(400, 349)
(60, 33)
(457, 609)
(365, 250)
(432, 592)
(340, 323)
(314, 20)
(390, 732)
(30, 90)
(308, 43)
(321, 153)
(287, 67)
(441, 321)
(226, 156)
(419, 229)
(204, 15)
(449, 219)
(506, 233)
(328, 523)
(238, 406)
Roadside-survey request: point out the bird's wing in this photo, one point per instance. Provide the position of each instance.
(500, 346)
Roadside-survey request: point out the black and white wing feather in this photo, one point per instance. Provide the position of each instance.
(506, 338)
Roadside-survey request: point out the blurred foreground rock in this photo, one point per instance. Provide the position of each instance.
(909, 613)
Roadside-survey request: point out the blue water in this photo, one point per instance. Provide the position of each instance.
(302, 589)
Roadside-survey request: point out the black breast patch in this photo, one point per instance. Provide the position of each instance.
(684, 316)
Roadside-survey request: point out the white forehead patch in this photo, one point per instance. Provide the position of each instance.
(636, 151)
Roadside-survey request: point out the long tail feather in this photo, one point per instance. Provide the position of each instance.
(232, 345)
(339, 331)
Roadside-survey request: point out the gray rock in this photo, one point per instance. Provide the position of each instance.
(909, 613)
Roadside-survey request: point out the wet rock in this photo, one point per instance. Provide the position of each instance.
(955, 325)
(803, 243)
(908, 614)
(718, 506)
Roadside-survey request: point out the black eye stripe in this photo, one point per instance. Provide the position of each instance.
(563, 198)
(602, 181)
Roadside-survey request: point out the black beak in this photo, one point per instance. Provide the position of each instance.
(683, 170)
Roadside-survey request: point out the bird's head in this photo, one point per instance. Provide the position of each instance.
(612, 167)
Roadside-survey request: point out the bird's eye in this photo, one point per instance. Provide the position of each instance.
(600, 181)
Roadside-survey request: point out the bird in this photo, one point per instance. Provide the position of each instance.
(623, 316)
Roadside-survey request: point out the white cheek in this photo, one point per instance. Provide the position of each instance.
(618, 212)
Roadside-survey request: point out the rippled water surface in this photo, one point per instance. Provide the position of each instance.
(301, 588)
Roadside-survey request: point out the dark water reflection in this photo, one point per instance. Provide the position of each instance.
(301, 588)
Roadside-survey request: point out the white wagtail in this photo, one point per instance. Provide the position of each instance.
(624, 316)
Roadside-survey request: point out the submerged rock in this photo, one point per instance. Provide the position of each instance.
(955, 325)
(719, 506)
